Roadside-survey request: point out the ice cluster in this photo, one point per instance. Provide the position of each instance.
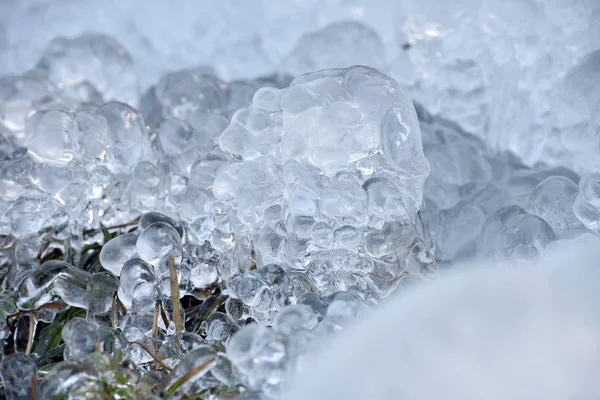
(195, 234)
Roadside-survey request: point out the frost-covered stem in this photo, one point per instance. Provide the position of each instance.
(33, 386)
(154, 356)
(188, 376)
(155, 320)
(112, 310)
(175, 296)
(31, 334)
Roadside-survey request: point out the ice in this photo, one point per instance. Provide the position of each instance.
(91, 59)
(51, 281)
(117, 251)
(80, 337)
(336, 45)
(589, 185)
(55, 134)
(524, 239)
(157, 241)
(18, 372)
(315, 187)
(502, 218)
(288, 206)
(101, 289)
(183, 92)
(126, 134)
(202, 355)
(552, 200)
(219, 327)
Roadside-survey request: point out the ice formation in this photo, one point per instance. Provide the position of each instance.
(216, 223)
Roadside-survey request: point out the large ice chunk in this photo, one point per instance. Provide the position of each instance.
(327, 169)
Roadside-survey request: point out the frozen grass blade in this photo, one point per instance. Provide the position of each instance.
(175, 295)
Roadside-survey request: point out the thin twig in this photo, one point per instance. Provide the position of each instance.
(33, 385)
(124, 225)
(154, 356)
(112, 310)
(189, 375)
(155, 320)
(48, 306)
(175, 296)
(31, 334)
(164, 316)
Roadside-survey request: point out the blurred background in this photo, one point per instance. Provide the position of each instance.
(521, 74)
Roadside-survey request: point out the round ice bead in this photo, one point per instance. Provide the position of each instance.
(144, 298)
(158, 240)
(552, 200)
(589, 184)
(392, 238)
(587, 214)
(15, 176)
(28, 213)
(241, 346)
(225, 183)
(294, 318)
(269, 245)
(219, 327)
(387, 201)
(347, 236)
(195, 203)
(54, 136)
(126, 134)
(222, 241)
(174, 136)
(525, 238)
(101, 289)
(207, 126)
(267, 98)
(183, 92)
(117, 251)
(51, 178)
(502, 218)
(321, 234)
(204, 170)
(149, 218)
(344, 198)
(145, 174)
(22, 96)
(80, 338)
(19, 374)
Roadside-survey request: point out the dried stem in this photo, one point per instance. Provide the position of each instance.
(175, 296)
(164, 316)
(48, 306)
(121, 304)
(31, 334)
(155, 320)
(154, 356)
(190, 374)
(33, 385)
(112, 310)
(125, 225)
